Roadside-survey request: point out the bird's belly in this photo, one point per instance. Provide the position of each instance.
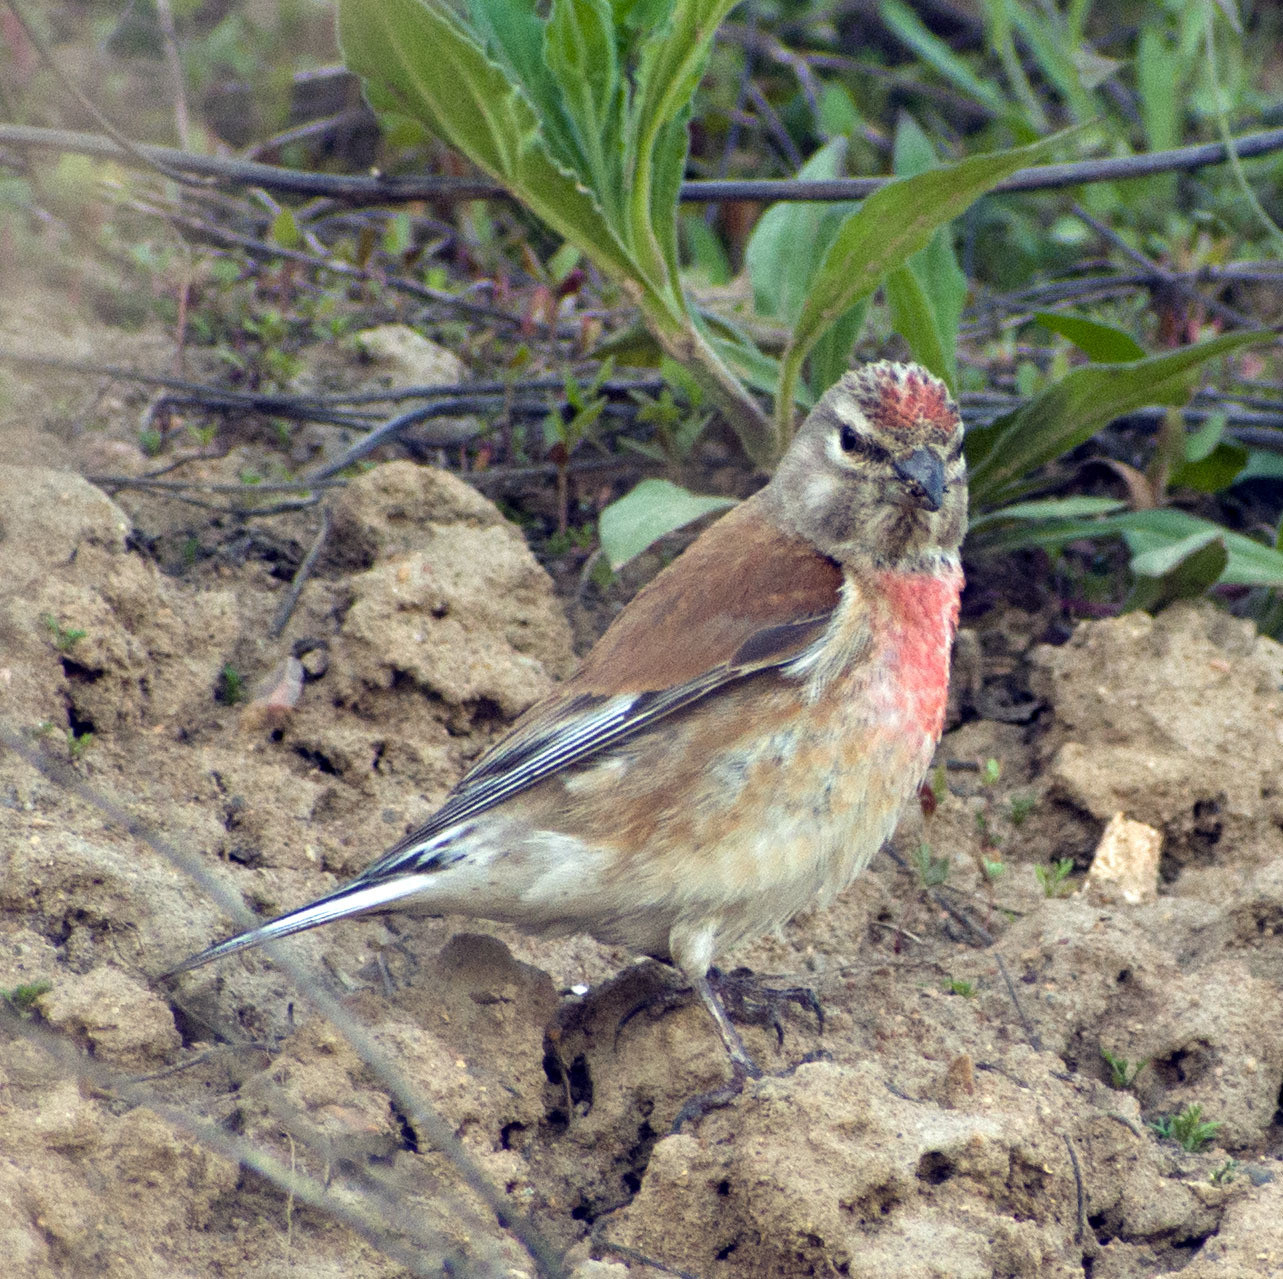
(760, 824)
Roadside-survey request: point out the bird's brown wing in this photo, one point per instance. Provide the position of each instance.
(744, 598)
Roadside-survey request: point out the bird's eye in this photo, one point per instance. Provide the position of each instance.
(848, 440)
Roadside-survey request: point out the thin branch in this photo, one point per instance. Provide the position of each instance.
(285, 609)
(354, 190)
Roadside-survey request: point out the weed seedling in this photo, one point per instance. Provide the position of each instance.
(1226, 1173)
(65, 638)
(932, 870)
(1122, 1073)
(78, 743)
(1051, 879)
(1188, 1129)
(959, 986)
(231, 686)
(21, 1000)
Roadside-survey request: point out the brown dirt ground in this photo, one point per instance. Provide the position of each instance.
(935, 1128)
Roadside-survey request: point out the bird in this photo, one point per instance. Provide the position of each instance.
(742, 739)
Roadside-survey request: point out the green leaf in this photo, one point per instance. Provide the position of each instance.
(890, 226)
(1202, 443)
(1046, 37)
(418, 59)
(579, 50)
(830, 357)
(285, 230)
(673, 58)
(1213, 473)
(914, 319)
(1161, 560)
(906, 24)
(654, 508)
(783, 253)
(791, 237)
(1262, 464)
(1103, 343)
(927, 295)
(1184, 569)
(1249, 563)
(1003, 454)
(1048, 508)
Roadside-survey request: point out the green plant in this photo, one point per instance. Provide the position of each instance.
(21, 1000)
(576, 537)
(151, 440)
(1225, 1173)
(1122, 1073)
(231, 686)
(678, 422)
(565, 431)
(203, 436)
(581, 111)
(78, 743)
(932, 870)
(1019, 807)
(65, 638)
(583, 115)
(1173, 553)
(959, 986)
(1051, 879)
(1188, 1128)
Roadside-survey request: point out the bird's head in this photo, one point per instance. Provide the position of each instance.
(875, 476)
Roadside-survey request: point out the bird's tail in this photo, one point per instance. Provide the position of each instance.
(359, 897)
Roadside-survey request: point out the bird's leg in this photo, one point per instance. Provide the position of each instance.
(745, 1067)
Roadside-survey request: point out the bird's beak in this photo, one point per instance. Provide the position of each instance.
(923, 473)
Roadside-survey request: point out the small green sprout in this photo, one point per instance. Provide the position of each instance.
(22, 999)
(932, 871)
(1121, 1071)
(202, 436)
(78, 743)
(1226, 1173)
(1189, 1129)
(1051, 879)
(1020, 806)
(65, 638)
(993, 869)
(940, 782)
(231, 686)
(959, 986)
(151, 441)
(990, 772)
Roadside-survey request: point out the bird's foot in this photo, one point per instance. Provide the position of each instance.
(741, 993)
(747, 1000)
